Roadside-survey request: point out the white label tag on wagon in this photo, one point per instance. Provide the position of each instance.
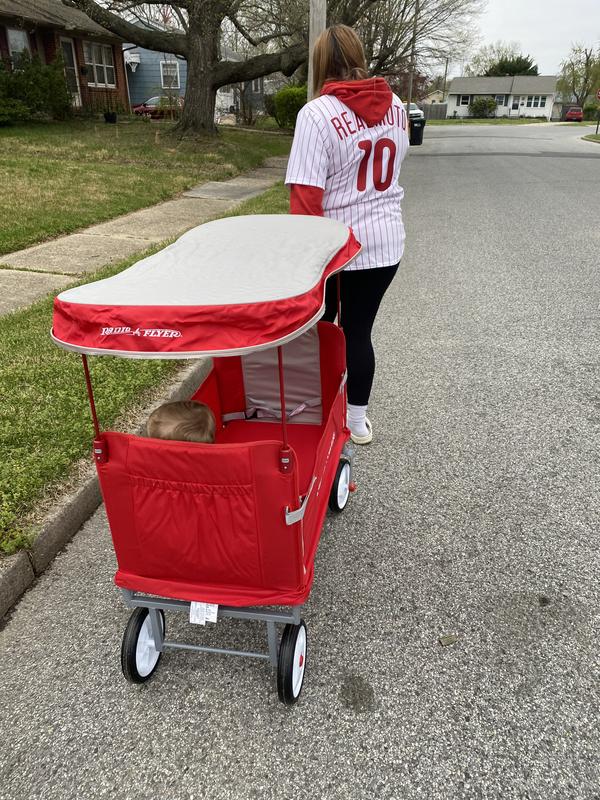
(212, 611)
(198, 613)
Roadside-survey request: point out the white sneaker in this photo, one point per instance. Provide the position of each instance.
(363, 439)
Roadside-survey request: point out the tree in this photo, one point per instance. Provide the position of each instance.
(580, 73)
(515, 65)
(197, 39)
(491, 54)
(444, 28)
(276, 31)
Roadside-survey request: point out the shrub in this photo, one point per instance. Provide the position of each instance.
(269, 100)
(591, 111)
(482, 107)
(41, 88)
(288, 102)
(59, 103)
(12, 111)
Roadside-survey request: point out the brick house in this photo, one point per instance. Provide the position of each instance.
(93, 56)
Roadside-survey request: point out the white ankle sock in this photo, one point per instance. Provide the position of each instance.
(357, 420)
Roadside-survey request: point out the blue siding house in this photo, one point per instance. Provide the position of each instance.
(150, 73)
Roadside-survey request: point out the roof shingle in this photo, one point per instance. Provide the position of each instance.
(519, 84)
(54, 14)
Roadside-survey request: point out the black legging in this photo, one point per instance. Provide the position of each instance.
(362, 291)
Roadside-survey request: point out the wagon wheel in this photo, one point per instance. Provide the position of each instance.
(340, 491)
(139, 656)
(291, 663)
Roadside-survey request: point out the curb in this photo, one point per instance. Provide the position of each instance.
(18, 572)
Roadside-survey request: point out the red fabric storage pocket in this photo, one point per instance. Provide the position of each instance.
(196, 532)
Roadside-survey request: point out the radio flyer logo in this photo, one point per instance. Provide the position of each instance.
(152, 333)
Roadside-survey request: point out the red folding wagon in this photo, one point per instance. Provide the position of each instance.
(230, 529)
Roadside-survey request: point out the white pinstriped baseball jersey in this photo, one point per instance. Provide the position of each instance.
(358, 168)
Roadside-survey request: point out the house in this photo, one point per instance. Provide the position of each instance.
(151, 73)
(515, 96)
(436, 96)
(93, 58)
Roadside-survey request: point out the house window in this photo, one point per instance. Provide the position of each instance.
(543, 101)
(465, 99)
(99, 61)
(169, 74)
(18, 43)
(256, 85)
(500, 100)
(536, 101)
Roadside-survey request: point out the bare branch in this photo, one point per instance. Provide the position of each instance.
(286, 61)
(166, 42)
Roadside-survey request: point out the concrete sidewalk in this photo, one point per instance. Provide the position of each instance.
(29, 274)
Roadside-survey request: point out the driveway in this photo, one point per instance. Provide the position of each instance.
(476, 516)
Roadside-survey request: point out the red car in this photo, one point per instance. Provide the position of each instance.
(158, 107)
(574, 114)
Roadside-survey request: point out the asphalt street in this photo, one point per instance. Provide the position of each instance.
(477, 517)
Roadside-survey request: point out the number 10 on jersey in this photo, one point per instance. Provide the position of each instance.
(380, 182)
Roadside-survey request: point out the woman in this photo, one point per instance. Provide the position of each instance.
(345, 161)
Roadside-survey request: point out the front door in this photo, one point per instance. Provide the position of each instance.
(68, 54)
(515, 102)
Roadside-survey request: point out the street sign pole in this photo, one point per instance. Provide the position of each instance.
(317, 24)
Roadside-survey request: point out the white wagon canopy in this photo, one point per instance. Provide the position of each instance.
(224, 288)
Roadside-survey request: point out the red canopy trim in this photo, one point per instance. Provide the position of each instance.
(191, 331)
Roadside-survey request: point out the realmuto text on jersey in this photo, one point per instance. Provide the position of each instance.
(347, 123)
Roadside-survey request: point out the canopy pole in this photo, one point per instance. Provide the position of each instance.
(99, 449)
(90, 391)
(285, 460)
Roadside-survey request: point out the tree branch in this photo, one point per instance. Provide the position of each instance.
(248, 36)
(166, 42)
(286, 61)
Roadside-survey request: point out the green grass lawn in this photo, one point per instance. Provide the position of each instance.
(266, 123)
(45, 426)
(59, 177)
(497, 121)
(593, 137)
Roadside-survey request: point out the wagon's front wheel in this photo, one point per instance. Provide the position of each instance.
(291, 663)
(139, 656)
(340, 491)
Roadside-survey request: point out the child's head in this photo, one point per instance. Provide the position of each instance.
(185, 421)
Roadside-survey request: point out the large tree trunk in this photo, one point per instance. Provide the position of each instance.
(198, 115)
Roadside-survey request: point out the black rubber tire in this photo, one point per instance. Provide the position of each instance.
(129, 646)
(333, 495)
(285, 663)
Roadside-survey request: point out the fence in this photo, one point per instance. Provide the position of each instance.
(435, 110)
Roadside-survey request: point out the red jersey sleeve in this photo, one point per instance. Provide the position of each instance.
(306, 200)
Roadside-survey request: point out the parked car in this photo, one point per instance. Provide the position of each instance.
(574, 114)
(158, 107)
(414, 112)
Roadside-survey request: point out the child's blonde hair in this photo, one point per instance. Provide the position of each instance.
(185, 421)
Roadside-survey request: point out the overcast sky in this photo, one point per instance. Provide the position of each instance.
(544, 28)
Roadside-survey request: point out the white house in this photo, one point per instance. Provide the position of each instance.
(518, 96)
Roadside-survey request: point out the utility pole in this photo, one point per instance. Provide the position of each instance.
(413, 55)
(445, 77)
(317, 24)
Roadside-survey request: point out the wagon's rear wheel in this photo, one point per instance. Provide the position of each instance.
(291, 663)
(340, 491)
(139, 656)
